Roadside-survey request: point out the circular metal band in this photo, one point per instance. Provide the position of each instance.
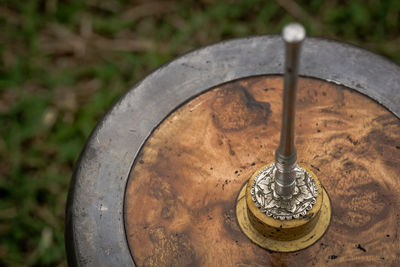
(95, 233)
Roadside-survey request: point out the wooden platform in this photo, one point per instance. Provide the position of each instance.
(180, 198)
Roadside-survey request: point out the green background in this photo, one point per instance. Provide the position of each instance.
(63, 64)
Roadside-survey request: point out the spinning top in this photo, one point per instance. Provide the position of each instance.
(283, 207)
(184, 169)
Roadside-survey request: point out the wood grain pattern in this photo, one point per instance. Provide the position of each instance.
(180, 198)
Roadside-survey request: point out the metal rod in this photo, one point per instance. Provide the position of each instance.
(293, 35)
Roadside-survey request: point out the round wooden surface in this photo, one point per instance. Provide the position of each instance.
(180, 198)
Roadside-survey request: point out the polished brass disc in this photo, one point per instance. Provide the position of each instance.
(283, 235)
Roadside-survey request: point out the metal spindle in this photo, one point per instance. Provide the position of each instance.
(286, 156)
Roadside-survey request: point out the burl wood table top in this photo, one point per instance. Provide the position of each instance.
(180, 198)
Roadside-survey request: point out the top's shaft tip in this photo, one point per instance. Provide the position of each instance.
(293, 33)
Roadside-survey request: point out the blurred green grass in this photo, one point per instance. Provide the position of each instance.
(63, 64)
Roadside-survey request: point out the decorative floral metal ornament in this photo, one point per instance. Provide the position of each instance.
(273, 205)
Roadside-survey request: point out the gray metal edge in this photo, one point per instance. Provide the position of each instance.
(95, 234)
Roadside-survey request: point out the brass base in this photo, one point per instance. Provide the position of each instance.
(283, 236)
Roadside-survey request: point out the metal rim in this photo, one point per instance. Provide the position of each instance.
(95, 233)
